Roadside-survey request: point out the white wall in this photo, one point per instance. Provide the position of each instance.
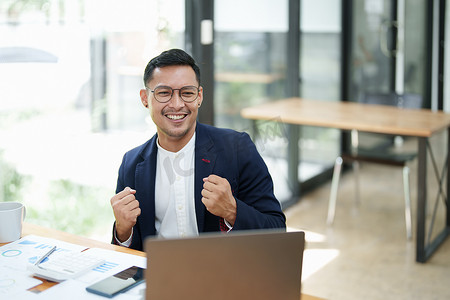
(251, 15)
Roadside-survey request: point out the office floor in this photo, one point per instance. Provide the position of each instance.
(365, 254)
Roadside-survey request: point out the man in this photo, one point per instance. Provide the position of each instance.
(189, 177)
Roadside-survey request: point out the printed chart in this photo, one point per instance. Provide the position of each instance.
(13, 282)
(29, 249)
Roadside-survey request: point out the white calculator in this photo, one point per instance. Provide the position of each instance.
(65, 266)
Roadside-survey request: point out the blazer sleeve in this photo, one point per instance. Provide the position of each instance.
(119, 187)
(123, 180)
(257, 206)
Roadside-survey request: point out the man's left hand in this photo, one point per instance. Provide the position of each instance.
(218, 198)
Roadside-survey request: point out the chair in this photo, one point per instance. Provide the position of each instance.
(379, 155)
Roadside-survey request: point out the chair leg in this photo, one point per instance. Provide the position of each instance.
(355, 144)
(407, 202)
(334, 189)
(357, 185)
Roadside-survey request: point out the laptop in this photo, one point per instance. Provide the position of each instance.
(263, 265)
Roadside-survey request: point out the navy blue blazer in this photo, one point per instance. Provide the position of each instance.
(223, 152)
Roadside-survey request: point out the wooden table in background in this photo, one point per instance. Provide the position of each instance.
(83, 241)
(420, 123)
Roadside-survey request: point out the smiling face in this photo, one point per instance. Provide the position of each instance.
(175, 120)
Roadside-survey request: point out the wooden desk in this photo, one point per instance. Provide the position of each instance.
(75, 239)
(420, 123)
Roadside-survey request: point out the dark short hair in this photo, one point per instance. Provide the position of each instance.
(172, 57)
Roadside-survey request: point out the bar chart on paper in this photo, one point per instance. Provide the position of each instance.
(106, 267)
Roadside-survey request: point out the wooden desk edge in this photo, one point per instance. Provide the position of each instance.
(33, 229)
(29, 229)
(279, 111)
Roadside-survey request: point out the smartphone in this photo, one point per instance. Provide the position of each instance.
(118, 283)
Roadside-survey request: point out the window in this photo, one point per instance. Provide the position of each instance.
(70, 74)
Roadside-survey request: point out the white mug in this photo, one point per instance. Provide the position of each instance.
(12, 215)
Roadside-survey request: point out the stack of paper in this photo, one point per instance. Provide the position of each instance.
(16, 281)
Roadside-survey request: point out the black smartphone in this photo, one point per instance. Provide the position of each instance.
(118, 283)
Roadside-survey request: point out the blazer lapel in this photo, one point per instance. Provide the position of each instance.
(145, 187)
(205, 158)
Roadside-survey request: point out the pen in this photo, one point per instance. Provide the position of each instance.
(45, 256)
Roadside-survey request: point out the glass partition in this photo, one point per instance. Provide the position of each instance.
(250, 57)
(375, 48)
(250, 68)
(414, 48)
(320, 71)
(70, 74)
(447, 62)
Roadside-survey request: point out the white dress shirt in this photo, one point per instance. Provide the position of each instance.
(174, 192)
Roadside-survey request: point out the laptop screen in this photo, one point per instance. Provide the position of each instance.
(242, 265)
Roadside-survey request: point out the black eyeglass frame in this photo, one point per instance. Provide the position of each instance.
(173, 90)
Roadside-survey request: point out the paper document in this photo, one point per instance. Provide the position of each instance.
(15, 280)
(14, 283)
(30, 248)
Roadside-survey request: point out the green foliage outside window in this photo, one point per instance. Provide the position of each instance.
(64, 205)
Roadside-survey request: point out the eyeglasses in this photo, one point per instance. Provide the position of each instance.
(163, 94)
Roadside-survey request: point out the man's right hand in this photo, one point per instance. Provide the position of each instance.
(126, 210)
